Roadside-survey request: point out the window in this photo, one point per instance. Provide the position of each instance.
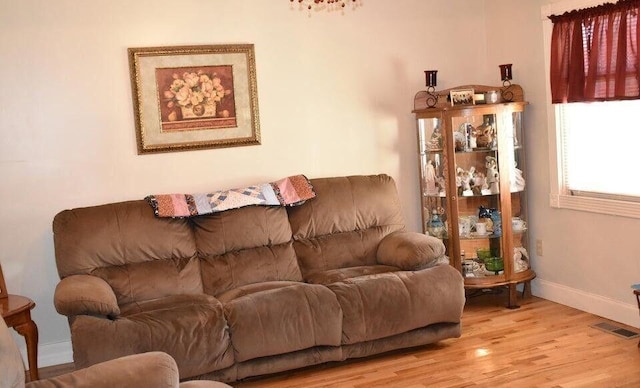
(601, 149)
(596, 146)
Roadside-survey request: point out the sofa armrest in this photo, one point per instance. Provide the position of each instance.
(153, 369)
(410, 251)
(85, 294)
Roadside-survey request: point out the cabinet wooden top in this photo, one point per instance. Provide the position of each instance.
(444, 103)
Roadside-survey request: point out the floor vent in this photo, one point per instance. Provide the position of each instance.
(616, 330)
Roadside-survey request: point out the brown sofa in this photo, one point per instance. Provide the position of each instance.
(146, 370)
(255, 290)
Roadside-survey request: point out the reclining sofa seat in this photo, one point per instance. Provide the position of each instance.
(254, 290)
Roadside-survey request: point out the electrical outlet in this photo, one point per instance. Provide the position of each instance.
(539, 247)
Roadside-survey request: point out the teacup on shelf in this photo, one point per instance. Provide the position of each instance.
(518, 224)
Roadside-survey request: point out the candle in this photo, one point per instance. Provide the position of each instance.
(505, 72)
(431, 76)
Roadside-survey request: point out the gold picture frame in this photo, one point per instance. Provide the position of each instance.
(462, 97)
(194, 97)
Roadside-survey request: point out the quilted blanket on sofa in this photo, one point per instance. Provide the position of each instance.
(290, 191)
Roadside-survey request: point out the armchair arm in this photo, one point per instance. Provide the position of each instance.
(410, 251)
(153, 369)
(85, 294)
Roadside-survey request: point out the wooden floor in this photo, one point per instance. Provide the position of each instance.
(541, 344)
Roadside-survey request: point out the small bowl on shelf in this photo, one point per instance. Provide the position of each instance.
(494, 264)
(486, 253)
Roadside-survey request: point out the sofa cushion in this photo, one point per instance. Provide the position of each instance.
(117, 234)
(281, 318)
(345, 204)
(344, 224)
(191, 328)
(239, 229)
(152, 279)
(245, 246)
(383, 305)
(249, 289)
(341, 250)
(336, 275)
(262, 264)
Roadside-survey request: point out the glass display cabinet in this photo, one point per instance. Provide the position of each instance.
(473, 189)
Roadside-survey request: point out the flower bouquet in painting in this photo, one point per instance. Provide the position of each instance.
(196, 94)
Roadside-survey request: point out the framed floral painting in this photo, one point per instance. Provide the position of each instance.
(194, 97)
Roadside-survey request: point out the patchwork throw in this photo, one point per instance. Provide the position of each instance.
(290, 191)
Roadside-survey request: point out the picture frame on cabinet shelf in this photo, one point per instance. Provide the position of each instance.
(194, 97)
(462, 97)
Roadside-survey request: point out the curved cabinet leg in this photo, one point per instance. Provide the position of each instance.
(513, 297)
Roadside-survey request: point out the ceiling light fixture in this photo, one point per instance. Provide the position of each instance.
(326, 4)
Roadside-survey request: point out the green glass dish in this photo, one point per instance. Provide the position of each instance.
(483, 253)
(494, 264)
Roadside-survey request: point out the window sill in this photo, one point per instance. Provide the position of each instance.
(596, 205)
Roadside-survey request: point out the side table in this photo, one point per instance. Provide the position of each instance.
(16, 311)
(637, 293)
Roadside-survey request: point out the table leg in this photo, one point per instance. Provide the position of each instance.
(29, 331)
(637, 293)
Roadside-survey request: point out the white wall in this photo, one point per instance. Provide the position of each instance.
(589, 260)
(335, 98)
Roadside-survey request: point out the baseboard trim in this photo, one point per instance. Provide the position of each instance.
(50, 354)
(614, 310)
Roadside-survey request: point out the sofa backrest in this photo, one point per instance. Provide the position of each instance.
(142, 257)
(245, 246)
(344, 224)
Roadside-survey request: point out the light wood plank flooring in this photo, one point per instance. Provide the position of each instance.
(541, 344)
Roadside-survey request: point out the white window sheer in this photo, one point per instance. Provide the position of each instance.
(601, 149)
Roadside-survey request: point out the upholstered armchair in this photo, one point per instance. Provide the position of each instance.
(153, 369)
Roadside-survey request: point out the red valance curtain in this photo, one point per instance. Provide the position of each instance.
(594, 54)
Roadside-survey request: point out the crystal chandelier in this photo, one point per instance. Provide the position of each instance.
(328, 4)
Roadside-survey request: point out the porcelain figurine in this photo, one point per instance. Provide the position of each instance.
(436, 227)
(435, 143)
(520, 259)
(479, 181)
(430, 179)
(493, 177)
(518, 182)
(464, 178)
